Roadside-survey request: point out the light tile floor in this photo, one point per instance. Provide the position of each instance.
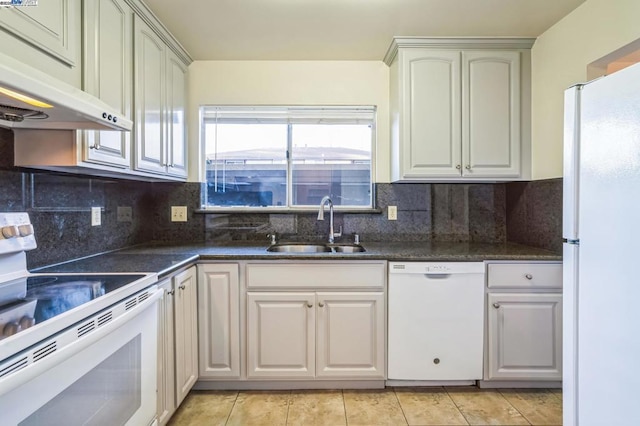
(399, 406)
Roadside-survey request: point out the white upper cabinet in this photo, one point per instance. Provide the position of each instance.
(160, 99)
(491, 114)
(46, 36)
(459, 109)
(108, 75)
(149, 64)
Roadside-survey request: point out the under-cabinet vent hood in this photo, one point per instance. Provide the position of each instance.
(31, 99)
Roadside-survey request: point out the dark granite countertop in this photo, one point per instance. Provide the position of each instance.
(164, 259)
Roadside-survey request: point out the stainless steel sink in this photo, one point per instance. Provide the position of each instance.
(348, 248)
(315, 248)
(299, 248)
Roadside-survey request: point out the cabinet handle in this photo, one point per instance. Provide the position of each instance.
(95, 146)
(496, 305)
(309, 305)
(171, 292)
(436, 361)
(182, 287)
(321, 304)
(468, 167)
(528, 276)
(458, 167)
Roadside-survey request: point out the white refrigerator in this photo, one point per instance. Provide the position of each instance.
(601, 230)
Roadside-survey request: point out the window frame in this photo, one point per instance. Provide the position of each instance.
(289, 208)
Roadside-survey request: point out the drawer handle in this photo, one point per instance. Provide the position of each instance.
(528, 276)
(171, 292)
(309, 305)
(182, 287)
(321, 304)
(436, 361)
(496, 305)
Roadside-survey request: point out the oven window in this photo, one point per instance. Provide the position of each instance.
(109, 394)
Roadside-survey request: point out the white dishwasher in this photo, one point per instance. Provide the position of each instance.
(436, 321)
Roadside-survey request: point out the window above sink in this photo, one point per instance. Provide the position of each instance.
(287, 158)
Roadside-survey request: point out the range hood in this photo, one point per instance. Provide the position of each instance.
(31, 99)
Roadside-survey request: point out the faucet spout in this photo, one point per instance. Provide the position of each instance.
(327, 200)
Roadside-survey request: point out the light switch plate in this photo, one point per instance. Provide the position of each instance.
(178, 213)
(392, 212)
(96, 216)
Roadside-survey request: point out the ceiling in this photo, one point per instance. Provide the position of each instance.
(342, 29)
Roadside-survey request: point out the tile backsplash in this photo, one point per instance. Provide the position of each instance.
(59, 205)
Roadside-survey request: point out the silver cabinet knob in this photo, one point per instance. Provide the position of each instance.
(468, 167)
(458, 167)
(309, 305)
(182, 287)
(496, 305)
(528, 276)
(171, 292)
(321, 304)
(436, 361)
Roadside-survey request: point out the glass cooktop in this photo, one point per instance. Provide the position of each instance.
(36, 299)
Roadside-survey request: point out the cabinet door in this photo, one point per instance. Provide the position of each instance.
(491, 113)
(186, 330)
(351, 335)
(166, 357)
(280, 335)
(431, 140)
(108, 74)
(219, 320)
(149, 80)
(49, 27)
(524, 336)
(176, 124)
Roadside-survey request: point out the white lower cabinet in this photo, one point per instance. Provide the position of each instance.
(524, 322)
(177, 342)
(525, 336)
(219, 320)
(328, 335)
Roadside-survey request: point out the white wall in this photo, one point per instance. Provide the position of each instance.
(559, 59)
(290, 83)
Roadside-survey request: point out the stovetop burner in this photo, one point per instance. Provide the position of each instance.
(48, 296)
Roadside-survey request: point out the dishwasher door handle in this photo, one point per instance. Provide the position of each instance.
(438, 275)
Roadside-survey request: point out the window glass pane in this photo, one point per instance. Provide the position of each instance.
(246, 164)
(331, 159)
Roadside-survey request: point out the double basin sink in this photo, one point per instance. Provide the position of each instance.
(315, 248)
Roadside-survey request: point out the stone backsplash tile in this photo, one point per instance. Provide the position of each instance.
(534, 213)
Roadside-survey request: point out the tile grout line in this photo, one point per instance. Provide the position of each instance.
(514, 407)
(400, 405)
(344, 408)
(232, 407)
(289, 402)
(456, 405)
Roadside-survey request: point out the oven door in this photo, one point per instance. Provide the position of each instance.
(108, 377)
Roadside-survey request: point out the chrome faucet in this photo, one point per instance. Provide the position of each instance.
(326, 199)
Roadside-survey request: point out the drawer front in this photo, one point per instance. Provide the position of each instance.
(316, 275)
(524, 275)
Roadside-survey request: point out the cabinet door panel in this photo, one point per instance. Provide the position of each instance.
(108, 27)
(176, 125)
(432, 126)
(350, 335)
(281, 335)
(186, 329)
(491, 114)
(149, 99)
(525, 336)
(218, 310)
(166, 355)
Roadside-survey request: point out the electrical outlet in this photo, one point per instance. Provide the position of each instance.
(125, 214)
(96, 216)
(178, 213)
(392, 212)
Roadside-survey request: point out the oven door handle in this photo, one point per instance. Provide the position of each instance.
(37, 368)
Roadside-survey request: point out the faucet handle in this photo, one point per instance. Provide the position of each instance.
(356, 239)
(339, 233)
(274, 237)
